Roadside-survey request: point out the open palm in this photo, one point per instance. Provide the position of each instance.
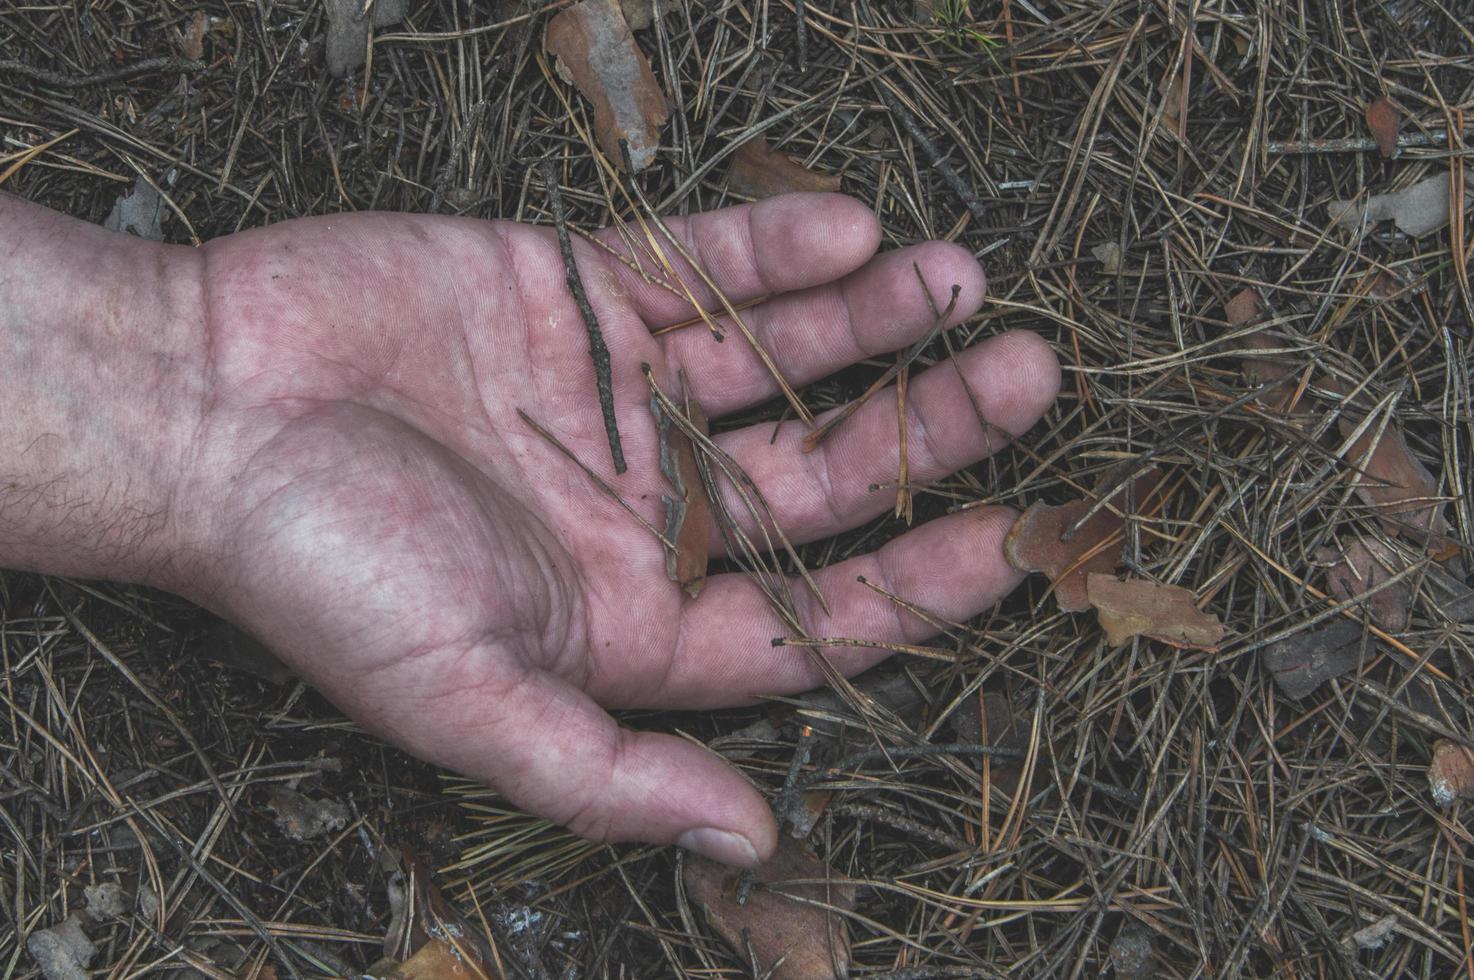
(375, 511)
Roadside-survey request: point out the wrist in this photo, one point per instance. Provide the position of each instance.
(102, 341)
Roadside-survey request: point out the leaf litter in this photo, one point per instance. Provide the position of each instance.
(1451, 773)
(1366, 565)
(1417, 210)
(1304, 661)
(792, 926)
(758, 171)
(1138, 607)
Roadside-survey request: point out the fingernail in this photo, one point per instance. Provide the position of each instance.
(720, 845)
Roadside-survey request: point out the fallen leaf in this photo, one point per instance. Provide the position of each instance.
(63, 951)
(1131, 952)
(419, 912)
(688, 514)
(1108, 254)
(193, 44)
(1396, 485)
(1242, 309)
(1451, 773)
(1362, 566)
(1418, 210)
(759, 171)
(348, 30)
(1303, 662)
(783, 928)
(105, 901)
(803, 817)
(302, 818)
(138, 212)
(1375, 935)
(436, 960)
(596, 50)
(1383, 120)
(1139, 607)
(998, 725)
(1035, 542)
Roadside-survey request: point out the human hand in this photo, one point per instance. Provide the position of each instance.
(357, 490)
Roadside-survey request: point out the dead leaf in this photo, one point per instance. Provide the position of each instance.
(688, 514)
(596, 50)
(1383, 121)
(1375, 935)
(1451, 773)
(301, 818)
(1396, 485)
(1108, 254)
(803, 817)
(1131, 953)
(1139, 607)
(759, 171)
(436, 960)
(348, 30)
(1303, 662)
(193, 44)
(1241, 309)
(139, 211)
(998, 725)
(420, 913)
(783, 924)
(1362, 566)
(63, 951)
(1034, 543)
(1418, 210)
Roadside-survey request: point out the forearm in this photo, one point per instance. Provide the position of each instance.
(101, 347)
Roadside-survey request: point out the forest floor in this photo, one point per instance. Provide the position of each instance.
(1152, 188)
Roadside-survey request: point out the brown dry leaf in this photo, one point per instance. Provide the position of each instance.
(1034, 542)
(436, 960)
(793, 937)
(1361, 566)
(302, 818)
(1243, 308)
(1138, 607)
(596, 51)
(1303, 662)
(193, 44)
(1396, 485)
(1451, 773)
(758, 171)
(1383, 120)
(1418, 210)
(688, 514)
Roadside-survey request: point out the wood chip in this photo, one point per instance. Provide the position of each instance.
(192, 46)
(1362, 566)
(302, 818)
(348, 30)
(1384, 121)
(596, 51)
(1139, 607)
(783, 931)
(1035, 542)
(1451, 773)
(1375, 935)
(1303, 662)
(758, 171)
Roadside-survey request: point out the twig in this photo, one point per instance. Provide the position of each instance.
(597, 349)
(144, 67)
(938, 162)
(1355, 144)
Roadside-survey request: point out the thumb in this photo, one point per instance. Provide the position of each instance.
(551, 750)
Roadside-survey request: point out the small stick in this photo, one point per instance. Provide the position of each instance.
(904, 501)
(800, 9)
(968, 195)
(144, 67)
(1355, 144)
(597, 349)
(819, 434)
(599, 482)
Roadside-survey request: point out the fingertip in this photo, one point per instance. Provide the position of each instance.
(805, 239)
(1033, 377)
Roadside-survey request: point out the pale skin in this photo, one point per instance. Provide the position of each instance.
(312, 430)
